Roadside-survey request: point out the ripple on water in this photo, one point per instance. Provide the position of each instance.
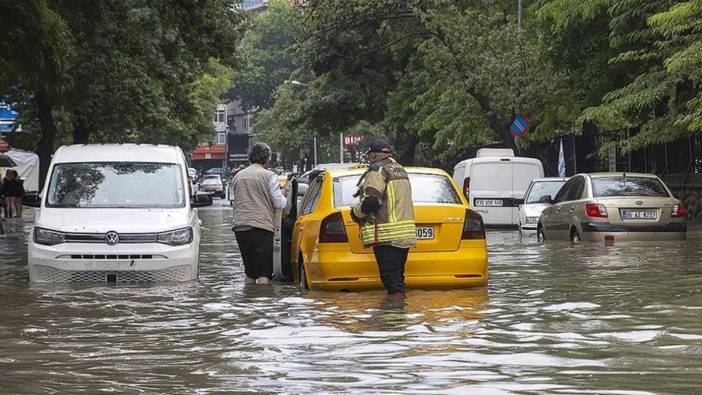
(555, 318)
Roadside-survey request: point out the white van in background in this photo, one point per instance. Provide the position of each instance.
(115, 213)
(495, 182)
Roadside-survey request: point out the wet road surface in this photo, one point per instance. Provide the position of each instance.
(555, 318)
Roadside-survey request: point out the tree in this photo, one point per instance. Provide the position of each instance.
(120, 71)
(267, 51)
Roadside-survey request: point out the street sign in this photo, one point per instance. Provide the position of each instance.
(519, 125)
(352, 140)
(7, 118)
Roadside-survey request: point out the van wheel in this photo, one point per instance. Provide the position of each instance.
(540, 234)
(302, 276)
(574, 236)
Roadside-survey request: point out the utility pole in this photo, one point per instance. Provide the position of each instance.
(341, 147)
(519, 16)
(315, 149)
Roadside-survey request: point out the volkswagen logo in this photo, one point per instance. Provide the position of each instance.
(111, 238)
(639, 202)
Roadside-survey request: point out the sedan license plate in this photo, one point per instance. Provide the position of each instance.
(488, 203)
(639, 214)
(425, 232)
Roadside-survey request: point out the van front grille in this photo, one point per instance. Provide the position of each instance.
(100, 238)
(112, 257)
(54, 275)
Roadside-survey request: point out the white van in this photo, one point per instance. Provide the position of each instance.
(115, 213)
(495, 182)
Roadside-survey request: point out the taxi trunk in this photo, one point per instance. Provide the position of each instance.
(434, 232)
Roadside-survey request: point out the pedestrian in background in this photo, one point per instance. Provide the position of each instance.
(257, 195)
(386, 215)
(14, 191)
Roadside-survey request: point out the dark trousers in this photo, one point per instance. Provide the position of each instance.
(391, 264)
(256, 247)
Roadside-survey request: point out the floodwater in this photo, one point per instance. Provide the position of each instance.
(555, 318)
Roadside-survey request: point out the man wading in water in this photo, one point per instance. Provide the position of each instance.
(256, 197)
(385, 214)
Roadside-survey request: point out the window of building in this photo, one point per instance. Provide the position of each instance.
(221, 138)
(218, 116)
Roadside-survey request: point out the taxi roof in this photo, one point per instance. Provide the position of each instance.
(360, 169)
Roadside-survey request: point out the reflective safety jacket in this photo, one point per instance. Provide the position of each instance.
(385, 212)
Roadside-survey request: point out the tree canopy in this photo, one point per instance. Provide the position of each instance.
(118, 71)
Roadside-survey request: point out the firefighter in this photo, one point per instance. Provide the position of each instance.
(385, 214)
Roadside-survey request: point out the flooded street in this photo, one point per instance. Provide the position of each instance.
(555, 318)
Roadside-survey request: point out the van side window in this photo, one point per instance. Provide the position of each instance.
(312, 196)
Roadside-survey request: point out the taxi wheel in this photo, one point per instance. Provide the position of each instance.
(302, 276)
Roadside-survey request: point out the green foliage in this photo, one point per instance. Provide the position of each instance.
(267, 51)
(120, 71)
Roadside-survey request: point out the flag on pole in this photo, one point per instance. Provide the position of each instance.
(561, 162)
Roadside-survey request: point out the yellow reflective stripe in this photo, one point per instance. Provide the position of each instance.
(358, 212)
(392, 215)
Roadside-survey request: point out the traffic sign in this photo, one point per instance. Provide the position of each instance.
(519, 125)
(7, 118)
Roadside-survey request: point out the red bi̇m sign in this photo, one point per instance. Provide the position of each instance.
(352, 140)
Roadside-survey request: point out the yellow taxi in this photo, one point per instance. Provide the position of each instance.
(326, 252)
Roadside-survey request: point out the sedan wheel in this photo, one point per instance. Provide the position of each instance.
(574, 236)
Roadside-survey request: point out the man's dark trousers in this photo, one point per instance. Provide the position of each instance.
(391, 264)
(256, 247)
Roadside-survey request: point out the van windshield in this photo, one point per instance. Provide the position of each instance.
(116, 185)
(426, 188)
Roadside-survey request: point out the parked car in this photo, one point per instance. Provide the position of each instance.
(613, 206)
(220, 171)
(213, 184)
(530, 211)
(495, 182)
(115, 213)
(325, 248)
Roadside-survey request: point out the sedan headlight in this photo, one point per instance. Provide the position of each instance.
(48, 237)
(532, 220)
(176, 237)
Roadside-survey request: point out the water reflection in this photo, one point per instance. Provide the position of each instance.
(555, 318)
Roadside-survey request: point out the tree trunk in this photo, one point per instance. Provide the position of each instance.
(81, 134)
(45, 147)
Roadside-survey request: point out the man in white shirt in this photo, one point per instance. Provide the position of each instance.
(257, 195)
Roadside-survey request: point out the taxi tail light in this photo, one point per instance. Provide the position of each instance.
(678, 211)
(473, 226)
(596, 210)
(333, 230)
(466, 187)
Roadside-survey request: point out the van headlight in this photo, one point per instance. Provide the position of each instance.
(48, 237)
(176, 237)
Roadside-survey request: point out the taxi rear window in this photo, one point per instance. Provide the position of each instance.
(426, 188)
